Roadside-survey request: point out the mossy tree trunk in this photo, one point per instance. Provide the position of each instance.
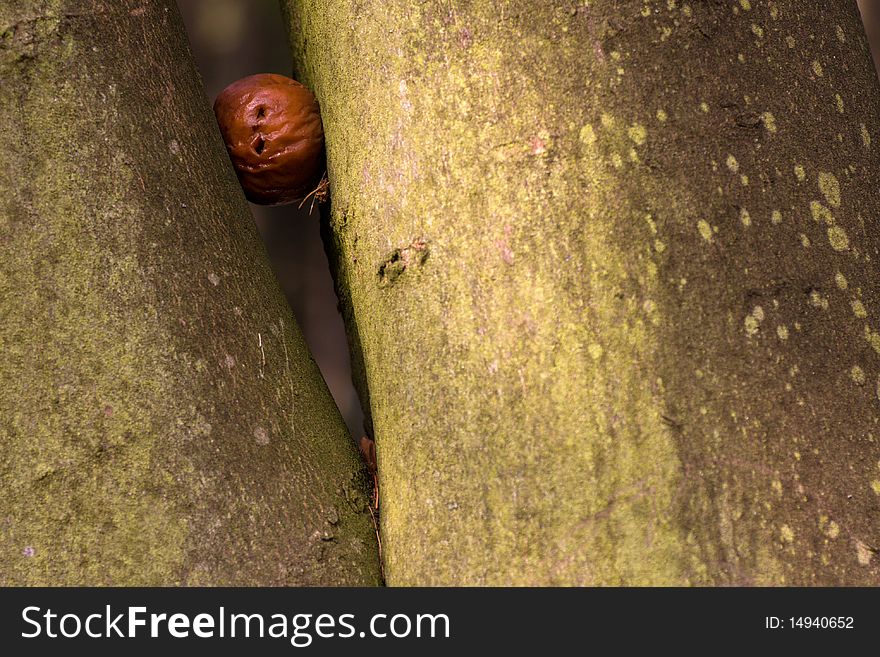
(161, 421)
(611, 271)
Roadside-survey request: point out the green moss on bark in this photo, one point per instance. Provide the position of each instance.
(628, 358)
(161, 420)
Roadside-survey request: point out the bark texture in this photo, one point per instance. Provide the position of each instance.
(611, 271)
(161, 421)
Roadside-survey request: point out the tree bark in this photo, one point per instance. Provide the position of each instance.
(161, 420)
(610, 269)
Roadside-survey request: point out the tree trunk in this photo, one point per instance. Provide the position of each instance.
(611, 272)
(161, 420)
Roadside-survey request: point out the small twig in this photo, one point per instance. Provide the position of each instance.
(319, 193)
